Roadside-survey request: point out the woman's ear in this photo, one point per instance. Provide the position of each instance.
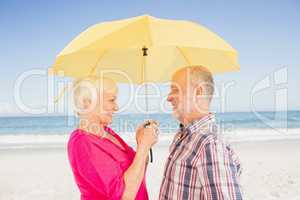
(86, 103)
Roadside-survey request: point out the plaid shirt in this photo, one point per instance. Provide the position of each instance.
(201, 165)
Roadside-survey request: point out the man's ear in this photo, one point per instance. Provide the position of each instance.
(199, 91)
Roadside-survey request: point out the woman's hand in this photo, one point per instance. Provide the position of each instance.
(147, 134)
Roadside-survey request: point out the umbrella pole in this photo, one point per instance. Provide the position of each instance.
(147, 109)
(145, 53)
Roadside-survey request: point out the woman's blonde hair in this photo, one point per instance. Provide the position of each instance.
(87, 89)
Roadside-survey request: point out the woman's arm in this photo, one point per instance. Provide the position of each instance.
(134, 175)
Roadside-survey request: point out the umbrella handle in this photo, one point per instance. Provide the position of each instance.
(151, 153)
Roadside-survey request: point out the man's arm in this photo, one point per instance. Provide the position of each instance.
(218, 173)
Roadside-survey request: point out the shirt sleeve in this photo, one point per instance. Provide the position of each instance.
(218, 173)
(101, 173)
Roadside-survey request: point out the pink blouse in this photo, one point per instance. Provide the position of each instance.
(98, 166)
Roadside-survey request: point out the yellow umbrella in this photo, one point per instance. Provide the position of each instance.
(144, 49)
(166, 45)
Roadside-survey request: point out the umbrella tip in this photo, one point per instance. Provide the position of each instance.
(147, 16)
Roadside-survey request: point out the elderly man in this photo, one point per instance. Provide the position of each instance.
(200, 165)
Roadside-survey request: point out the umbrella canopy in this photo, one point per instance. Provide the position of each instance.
(144, 49)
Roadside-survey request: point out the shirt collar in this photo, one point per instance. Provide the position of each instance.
(207, 122)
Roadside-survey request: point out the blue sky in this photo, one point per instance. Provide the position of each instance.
(265, 33)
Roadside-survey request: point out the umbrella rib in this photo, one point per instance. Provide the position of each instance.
(106, 35)
(149, 32)
(183, 55)
(98, 61)
(115, 31)
(61, 94)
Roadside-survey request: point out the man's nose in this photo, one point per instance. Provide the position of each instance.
(170, 97)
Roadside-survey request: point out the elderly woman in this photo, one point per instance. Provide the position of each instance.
(104, 166)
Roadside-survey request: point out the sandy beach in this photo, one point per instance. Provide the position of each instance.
(270, 171)
(66, 65)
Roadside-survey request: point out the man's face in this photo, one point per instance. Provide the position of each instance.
(181, 96)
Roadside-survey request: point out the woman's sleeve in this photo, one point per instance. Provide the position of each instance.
(99, 170)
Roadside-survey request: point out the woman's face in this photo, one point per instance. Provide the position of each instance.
(106, 107)
(94, 103)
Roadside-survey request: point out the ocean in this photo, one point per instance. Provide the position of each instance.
(53, 131)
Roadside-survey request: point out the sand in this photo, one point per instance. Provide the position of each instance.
(271, 170)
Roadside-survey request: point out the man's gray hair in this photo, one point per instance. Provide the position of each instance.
(201, 76)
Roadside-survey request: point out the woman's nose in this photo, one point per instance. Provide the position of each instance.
(116, 107)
